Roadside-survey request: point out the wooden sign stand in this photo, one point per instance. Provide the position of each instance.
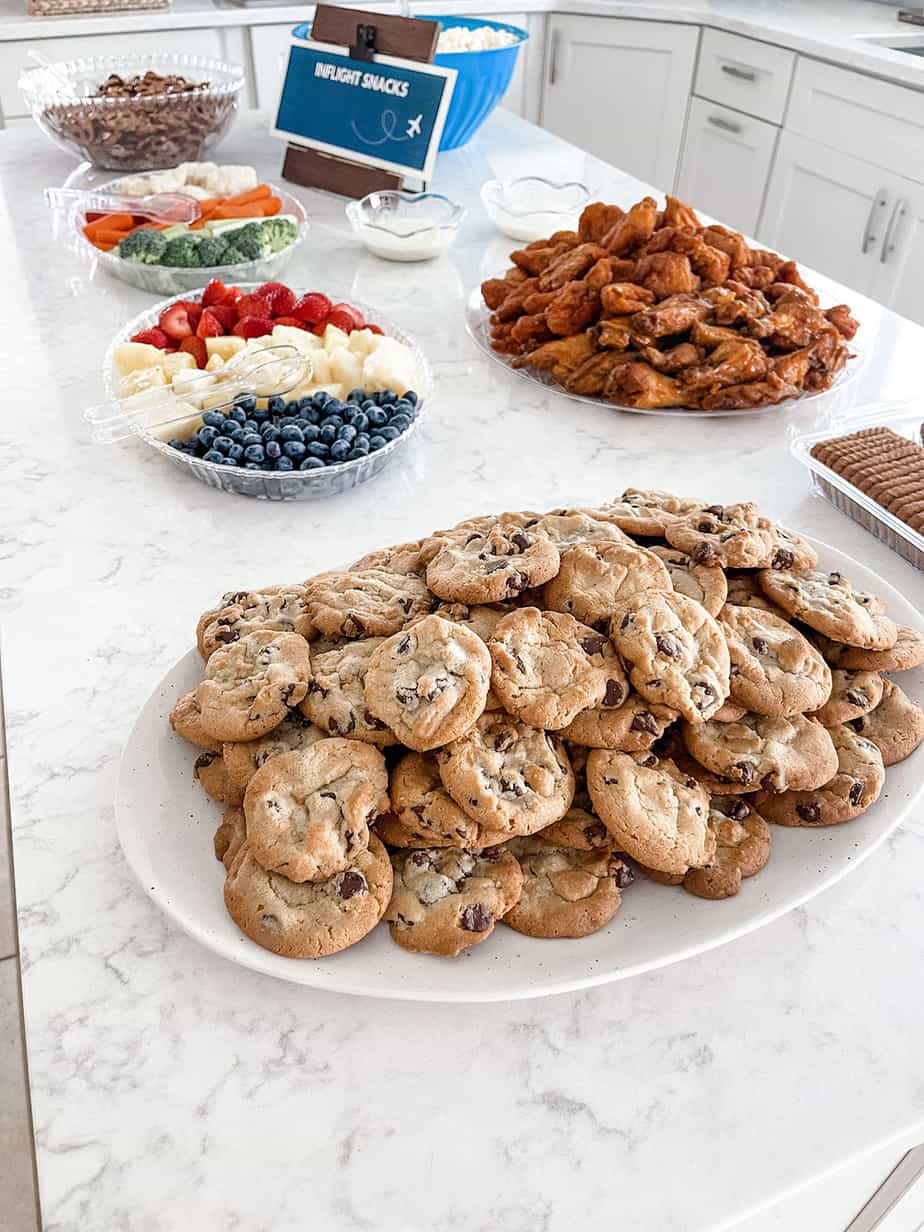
(365, 34)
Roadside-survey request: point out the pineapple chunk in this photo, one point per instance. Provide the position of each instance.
(225, 347)
(130, 356)
(362, 341)
(346, 368)
(390, 366)
(320, 367)
(215, 362)
(142, 378)
(176, 361)
(301, 339)
(334, 337)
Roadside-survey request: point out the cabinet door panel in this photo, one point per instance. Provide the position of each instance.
(899, 282)
(619, 89)
(725, 165)
(824, 208)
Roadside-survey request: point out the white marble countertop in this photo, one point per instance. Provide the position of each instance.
(828, 29)
(173, 1090)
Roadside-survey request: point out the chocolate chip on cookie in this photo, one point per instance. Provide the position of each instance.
(852, 693)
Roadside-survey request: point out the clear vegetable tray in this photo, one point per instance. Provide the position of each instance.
(906, 419)
(289, 485)
(168, 280)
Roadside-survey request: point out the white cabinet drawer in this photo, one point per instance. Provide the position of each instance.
(726, 162)
(744, 73)
(874, 120)
(14, 56)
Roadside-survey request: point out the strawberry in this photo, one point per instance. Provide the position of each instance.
(153, 337)
(193, 311)
(294, 321)
(253, 305)
(280, 298)
(225, 315)
(233, 296)
(197, 349)
(209, 325)
(318, 329)
(375, 329)
(214, 293)
(354, 313)
(342, 316)
(253, 327)
(312, 308)
(175, 322)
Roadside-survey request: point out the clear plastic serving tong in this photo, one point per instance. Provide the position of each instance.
(264, 373)
(161, 207)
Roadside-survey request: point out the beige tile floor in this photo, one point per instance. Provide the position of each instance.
(17, 1167)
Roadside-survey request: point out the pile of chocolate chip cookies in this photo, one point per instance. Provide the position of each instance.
(501, 721)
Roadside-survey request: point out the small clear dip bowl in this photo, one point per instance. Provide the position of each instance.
(531, 207)
(405, 226)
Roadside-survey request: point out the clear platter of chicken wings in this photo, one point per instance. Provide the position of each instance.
(651, 310)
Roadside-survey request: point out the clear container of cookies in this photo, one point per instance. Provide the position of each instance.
(906, 420)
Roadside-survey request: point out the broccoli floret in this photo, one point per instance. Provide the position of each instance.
(144, 245)
(182, 252)
(212, 251)
(247, 244)
(278, 233)
(233, 256)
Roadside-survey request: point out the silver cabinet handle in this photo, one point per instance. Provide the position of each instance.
(879, 202)
(744, 74)
(553, 57)
(726, 125)
(888, 244)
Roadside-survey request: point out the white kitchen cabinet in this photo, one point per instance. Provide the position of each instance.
(899, 283)
(619, 89)
(725, 164)
(828, 209)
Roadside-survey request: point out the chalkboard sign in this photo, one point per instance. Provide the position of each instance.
(385, 112)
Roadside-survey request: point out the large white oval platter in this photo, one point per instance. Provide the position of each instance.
(166, 823)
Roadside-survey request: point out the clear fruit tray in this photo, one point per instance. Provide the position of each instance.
(905, 418)
(170, 280)
(268, 485)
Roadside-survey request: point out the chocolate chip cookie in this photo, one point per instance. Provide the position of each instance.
(778, 754)
(675, 652)
(445, 901)
(279, 608)
(828, 603)
(243, 759)
(493, 565)
(336, 699)
(399, 558)
(896, 726)
(852, 693)
(907, 652)
(365, 602)
(250, 685)
(595, 579)
(647, 514)
(653, 811)
(507, 775)
(566, 892)
(566, 527)
(548, 667)
(308, 812)
(210, 771)
(704, 583)
(848, 793)
(422, 805)
(742, 848)
(579, 828)
(309, 919)
(230, 835)
(744, 591)
(186, 721)
(733, 536)
(774, 669)
(630, 728)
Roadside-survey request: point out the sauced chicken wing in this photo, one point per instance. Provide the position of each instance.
(793, 367)
(495, 290)
(747, 397)
(600, 274)
(513, 303)
(530, 330)
(667, 273)
(631, 231)
(794, 325)
(613, 334)
(757, 276)
(710, 264)
(675, 359)
(678, 214)
(535, 259)
(675, 315)
(709, 336)
(843, 322)
(570, 265)
(638, 384)
(574, 308)
(625, 298)
(560, 357)
(730, 242)
(731, 363)
(597, 219)
(789, 272)
(590, 378)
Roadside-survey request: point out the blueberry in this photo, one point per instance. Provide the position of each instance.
(246, 402)
(237, 434)
(285, 464)
(321, 399)
(328, 435)
(267, 466)
(387, 396)
(377, 417)
(176, 443)
(401, 422)
(313, 416)
(356, 453)
(252, 438)
(236, 452)
(287, 421)
(260, 415)
(214, 419)
(369, 404)
(346, 433)
(311, 464)
(273, 450)
(310, 433)
(402, 408)
(270, 433)
(251, 425)
(318, 449)
(355, 395)
(252, 466)
(361, 421)
(361, 439)
(222, 443)
(304, 404)
(228, 462)
(360, 447)
(237, 414)
(291, 433)
(276, 405)
(254, 453)
(339, 450)
(294, 450)
(389, 433)
(376, 442)
(213, 456)
(410, 396)
(302, 422)
(293, 408)
(349, 413)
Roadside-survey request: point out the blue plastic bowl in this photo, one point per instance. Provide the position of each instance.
(482, 78)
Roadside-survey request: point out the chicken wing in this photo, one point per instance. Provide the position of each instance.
(612, 334)
(794, 325)
(675, 315)
(751, 396)
(535, 259)
(632, 230)
(709, 336)
(495, 290)
(597, 219)
(571, 265)
(576, 306)
(530, 330)
(560, 358)
(590, 378)
(843, 322)
(730, 242)
(538, 301)
(755, 276)
(600, 274)
(789, 272)
(679, 214)
(667, 273)
(638, 384)
(793, 368)
(625, 298)
(731, 363)
(675, 359)
(512, 304)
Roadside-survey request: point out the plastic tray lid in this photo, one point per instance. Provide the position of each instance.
(264, 373)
